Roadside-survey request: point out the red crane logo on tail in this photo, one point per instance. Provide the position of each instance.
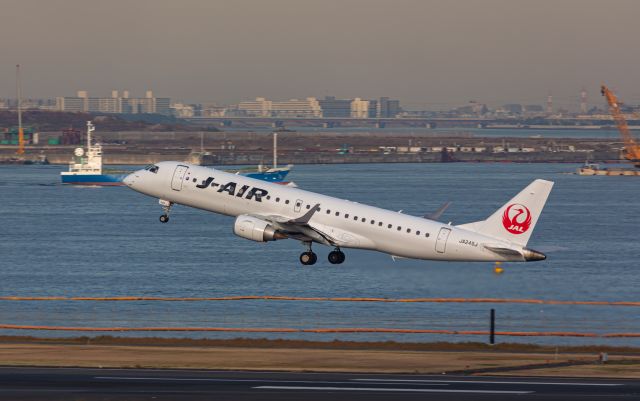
(516, 218)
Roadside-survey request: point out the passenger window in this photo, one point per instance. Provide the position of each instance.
(355, 218)
(399, 228)
(337, 213)
(426, 235)
(194, 180)
(328, 211)
(373, 222)
(277, 199)
(418, 232)
(346, 216)
(286, 202)
(408, 231)
(308, 206)
(389, 226)
(268, 197)
(380, 224)
(363, 220)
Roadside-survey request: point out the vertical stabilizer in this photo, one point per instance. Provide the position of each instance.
(516, 219)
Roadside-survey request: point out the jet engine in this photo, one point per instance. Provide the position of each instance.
(253, 228)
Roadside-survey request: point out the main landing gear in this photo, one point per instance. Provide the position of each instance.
(336, 256)
(166, 208)
(309, 258)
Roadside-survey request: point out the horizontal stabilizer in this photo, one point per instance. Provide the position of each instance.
(507, 252)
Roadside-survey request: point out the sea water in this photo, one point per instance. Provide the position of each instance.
(70, 241)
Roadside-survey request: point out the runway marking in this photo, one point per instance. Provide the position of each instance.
(214, 380)
(489, 382)
(167, 378)
(387, 389)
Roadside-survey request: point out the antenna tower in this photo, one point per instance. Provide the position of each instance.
(20, 150)
(583, 101)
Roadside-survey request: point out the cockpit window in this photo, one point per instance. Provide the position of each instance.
(154, 169)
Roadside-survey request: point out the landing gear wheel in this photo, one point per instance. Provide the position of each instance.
(166, 208)
(308, 258)
(336, 257)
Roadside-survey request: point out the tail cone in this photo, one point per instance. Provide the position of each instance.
(530, 255)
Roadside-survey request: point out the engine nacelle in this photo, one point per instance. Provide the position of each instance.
(253, 228)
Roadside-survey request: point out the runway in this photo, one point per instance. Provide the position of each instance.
(145, 384)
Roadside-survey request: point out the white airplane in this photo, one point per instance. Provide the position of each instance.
(268, 212)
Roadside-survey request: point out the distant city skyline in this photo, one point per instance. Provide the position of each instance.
(428, 54)
(580, 104)
(125, 102)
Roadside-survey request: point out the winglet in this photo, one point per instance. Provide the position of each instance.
(304, 219)
(438, 213)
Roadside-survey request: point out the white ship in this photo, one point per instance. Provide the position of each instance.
(86, 166)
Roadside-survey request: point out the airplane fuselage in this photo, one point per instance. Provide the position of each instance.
(347, 224)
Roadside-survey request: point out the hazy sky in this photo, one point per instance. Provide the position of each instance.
(428, 54)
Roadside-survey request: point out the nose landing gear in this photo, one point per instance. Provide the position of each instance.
(336, 257)
(166, 208)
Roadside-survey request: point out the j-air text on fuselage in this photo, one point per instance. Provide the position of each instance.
(268, 212)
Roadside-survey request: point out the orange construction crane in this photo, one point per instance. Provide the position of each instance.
(631, 148)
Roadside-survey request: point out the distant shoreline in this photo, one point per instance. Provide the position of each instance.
(251, 148)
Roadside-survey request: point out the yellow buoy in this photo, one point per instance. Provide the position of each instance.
(497, 268)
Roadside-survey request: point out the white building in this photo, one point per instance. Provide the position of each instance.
(361, 108)
(260, 107)
(295, 108)
(114, 104)
(212, 110)
(182, 110)
(72, 104)
(104, 104)
(318, 108)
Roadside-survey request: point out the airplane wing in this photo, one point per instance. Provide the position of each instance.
(304, 219)
(278, 219)
(300, 228)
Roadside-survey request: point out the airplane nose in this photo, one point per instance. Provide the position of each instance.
(129, 179)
